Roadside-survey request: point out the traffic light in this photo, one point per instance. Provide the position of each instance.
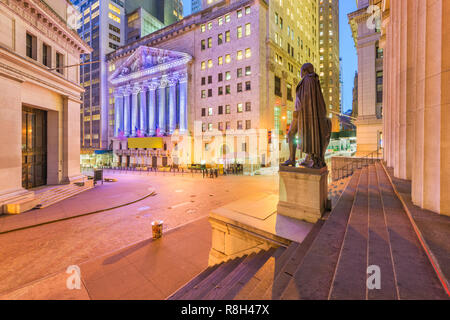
(269, 136)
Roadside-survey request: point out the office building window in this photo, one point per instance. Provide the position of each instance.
(31, 46)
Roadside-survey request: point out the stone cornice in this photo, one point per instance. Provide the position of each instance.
(25, 70)
(46, 21)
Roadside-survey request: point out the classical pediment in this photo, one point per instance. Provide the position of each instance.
(147, 61)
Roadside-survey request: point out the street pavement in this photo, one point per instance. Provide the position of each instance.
(33, 255)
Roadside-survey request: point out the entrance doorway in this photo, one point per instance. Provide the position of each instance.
(34, 147)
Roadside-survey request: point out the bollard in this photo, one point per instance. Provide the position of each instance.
(157, 227)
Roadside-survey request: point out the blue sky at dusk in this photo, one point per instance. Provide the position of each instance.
(347, 47)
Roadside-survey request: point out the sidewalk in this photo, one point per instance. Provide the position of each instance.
(127, 189)
(148, 270)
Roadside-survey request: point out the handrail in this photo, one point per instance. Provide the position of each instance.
(359, 162)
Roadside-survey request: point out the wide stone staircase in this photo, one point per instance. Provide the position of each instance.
(53, 195)
(367, 227)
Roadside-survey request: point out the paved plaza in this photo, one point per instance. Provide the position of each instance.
(36, 253)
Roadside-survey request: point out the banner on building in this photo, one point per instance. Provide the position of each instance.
(145, 143)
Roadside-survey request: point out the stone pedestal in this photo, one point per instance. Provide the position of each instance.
(303, 193)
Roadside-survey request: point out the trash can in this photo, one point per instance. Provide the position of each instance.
(157, 227)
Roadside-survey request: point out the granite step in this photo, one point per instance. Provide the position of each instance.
(267, 278)
(194, 282)
(313, 278)
(265, 271)
(230, 285)
(349, 281)
(210, 282)
(379, 253)
(285, 274)
(414, 275)
(49, 198)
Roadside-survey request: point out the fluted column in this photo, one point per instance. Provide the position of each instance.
(183, 102)
(151, 103)
(143, 124)
(127, 112)
(162, 105)
(134, 111)
(172, 104)
(118, 112)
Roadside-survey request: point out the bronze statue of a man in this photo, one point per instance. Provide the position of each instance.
(310, 121)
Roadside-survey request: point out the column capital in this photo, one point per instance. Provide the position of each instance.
(164, 82)
(136, 89)
(152, 85)
(183, 76)
(126, 91)
(118, 92)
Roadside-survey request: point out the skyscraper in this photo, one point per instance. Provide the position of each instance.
(166, 11)
(329, 58)
(369, 124)
(141, 23)
(103, 28)
(196, 6)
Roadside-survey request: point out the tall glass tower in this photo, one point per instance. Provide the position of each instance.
(102, 26)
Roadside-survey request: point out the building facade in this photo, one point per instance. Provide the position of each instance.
(330, 59)
(102, 26)
(196, 6)
(240, 81)
(40, 97)
(166, 11)
(365, 24)
(141, 23)
(416, 41)
(355, 96)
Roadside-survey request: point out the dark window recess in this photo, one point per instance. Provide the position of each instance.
(220, 110)
(220, 91)
(209, 92)
(59, 63)
(289, 92)
(278, 86)
(220, 77)
(114, 37)
(31, 47)
(248, 86)
(113, 28)
(46, 55)
(248, 106)
(239, 87)
(203, 112)
(203, 81)
(209, 79)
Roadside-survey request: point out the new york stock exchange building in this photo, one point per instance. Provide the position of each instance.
(151, 108)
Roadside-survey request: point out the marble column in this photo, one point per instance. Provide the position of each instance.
(118, 112)
(162, 105)
(172, 104)
(151, 104)
(183, 102)
(127, 112)
(143, 124)
(134, 111)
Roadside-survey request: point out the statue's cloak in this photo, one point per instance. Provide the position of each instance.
(313, 123)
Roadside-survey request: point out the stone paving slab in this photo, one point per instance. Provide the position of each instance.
(111, 194)
(148, 270)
